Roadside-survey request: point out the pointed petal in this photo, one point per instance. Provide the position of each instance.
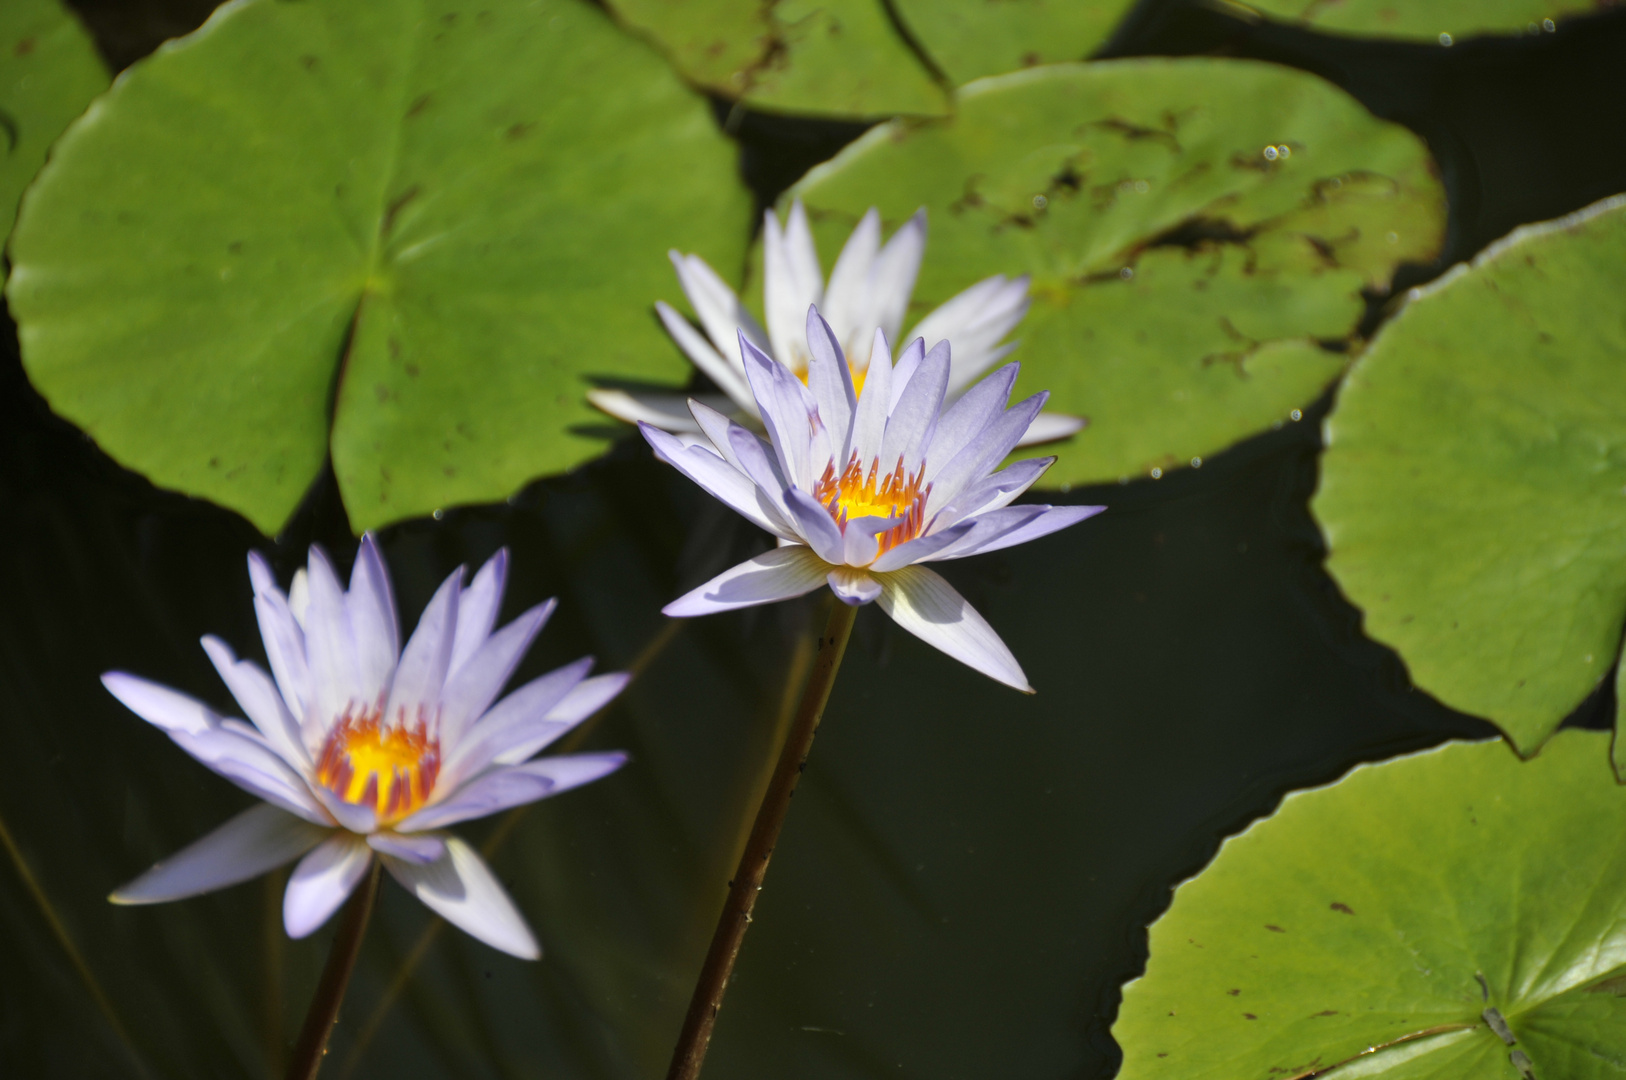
(915, 411)
(852, 585)
(584, 699)
(330, 649)
(261, 838)
(969, 417)
(858, 543)
(975, 322)
(1051, 427)
(992, 492)
(789, 413)
(718, 366)
(419, 848)
(299, 596)
(924, 604)
(904, 370)
(520, 722)
(982, 455)
(920, 548)
(322, 881)
(477, 608)
(829, 380)
(718, 478)
(284, 639)
(791, 281)
(779, 574)
(869, 422)
(847, 300)
(460, 888)
(669, 412)
(373, 623)
(261, 702)
(514, 785)
(253, 766)
(715, 304)
(894, 273)
(990, 532)
(475, 685)
(421, 676)
(816, 526)
(159, 705)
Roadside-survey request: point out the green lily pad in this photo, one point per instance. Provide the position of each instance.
(408, 230)
(834, 58)
(1367, 927)
(1196, 230)
(1445, 21)
(972, 38)
(1473, 492)
(49, 71)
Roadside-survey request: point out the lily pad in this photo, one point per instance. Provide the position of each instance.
(832, 58)
(1473, 491)
(1368, 928)
(972, 38)
(1199, 234)
(49, 71)
(1445, 21)
(408, 230)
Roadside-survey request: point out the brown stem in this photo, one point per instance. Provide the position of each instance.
(341, 961)
(747, 883)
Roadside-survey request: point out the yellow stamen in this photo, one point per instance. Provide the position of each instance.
(390, 767)
(853, 494)
(856, 373)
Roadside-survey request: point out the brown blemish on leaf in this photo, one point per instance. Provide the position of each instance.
(308, 62)
(1235, 992)
(1274, 929)
(1345, 908)
(518, 131)
(396, 207)
(1325, 1012)
(418, 106)
(1249, 1016)
(24, 47)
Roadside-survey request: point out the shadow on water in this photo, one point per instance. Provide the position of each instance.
(967, 877)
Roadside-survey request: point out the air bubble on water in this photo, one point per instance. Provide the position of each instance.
(1196, 463)
(1445, 39)
(1157, 474)
(1270, 153)
(1589, 658)
(1142, 186)
(1296, 414)
(439, 515)
(1065, 488)
(1123, 481)
(1040, 202)
(1547, 25)
(1414, 294)
(1393, 238)
(1127, 272)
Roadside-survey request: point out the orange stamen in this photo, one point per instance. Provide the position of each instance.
(390, 767)
(853, 494)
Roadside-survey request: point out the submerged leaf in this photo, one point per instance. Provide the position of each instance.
(402, 227)
(1427, 917)
(1445, 21)
(1473, 492)
(1199, 234)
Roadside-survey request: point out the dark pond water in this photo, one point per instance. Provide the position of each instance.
(967, 874)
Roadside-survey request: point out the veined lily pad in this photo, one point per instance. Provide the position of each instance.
(1445, 21)
(1198, 233)
(49, 71)
(837, 58)
(406, 227)
(1371, 927)
(1473, 492)
(972, 38)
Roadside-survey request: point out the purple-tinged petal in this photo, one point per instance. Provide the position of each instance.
(419, 848)
(477, 608)
(159, 705)
(1050, 427)
(421, 677)
(475, 685)
(852, 585)
(373, 623)
(774, 575)
(352, 817)
(914, 414)
(992, 492)
(919, 549)
(847, 301)
(330, 649)
(284, 639)
(816, 526)
(719, 479)
(982, 455)
(715, 304)
(858, 543)
(904, 370)
(754, 458)
(976, 321)
(521, 721)
(299, 596)
(969, 417)
(791, 281)
(261, 701)
(829, 381)
(261, 838)
(928, 607)
(726, 373)
(248, 762)
(989, 536)
(514, 785)
(323, 881)
(789, 413)
(461, 889)
(869, 422)
(583, 700)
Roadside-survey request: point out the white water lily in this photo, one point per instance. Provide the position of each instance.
(870, 287)
(361, 748)
(861, 488)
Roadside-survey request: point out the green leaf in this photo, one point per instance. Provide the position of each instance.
(835, 58)
(49, 71)
(1473, 492)
(1364, 914)
(972, 38)
(1184, 270)
(1445, 21)
(417, 224)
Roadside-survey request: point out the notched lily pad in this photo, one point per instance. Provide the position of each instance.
(835, 58)
(1453, 914)
(1444, 21)
(1473, 492)
(972, 38)
(49, 71)
(408, 229)
(1200, 236)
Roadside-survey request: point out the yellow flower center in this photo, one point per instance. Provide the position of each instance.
(855, 494)
(390, 767)
(800, 371)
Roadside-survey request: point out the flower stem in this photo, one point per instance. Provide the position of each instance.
(341, 961)
(747, 883)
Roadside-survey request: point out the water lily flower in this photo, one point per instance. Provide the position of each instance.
(869, 287)
(359, 748)
(864, 486)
